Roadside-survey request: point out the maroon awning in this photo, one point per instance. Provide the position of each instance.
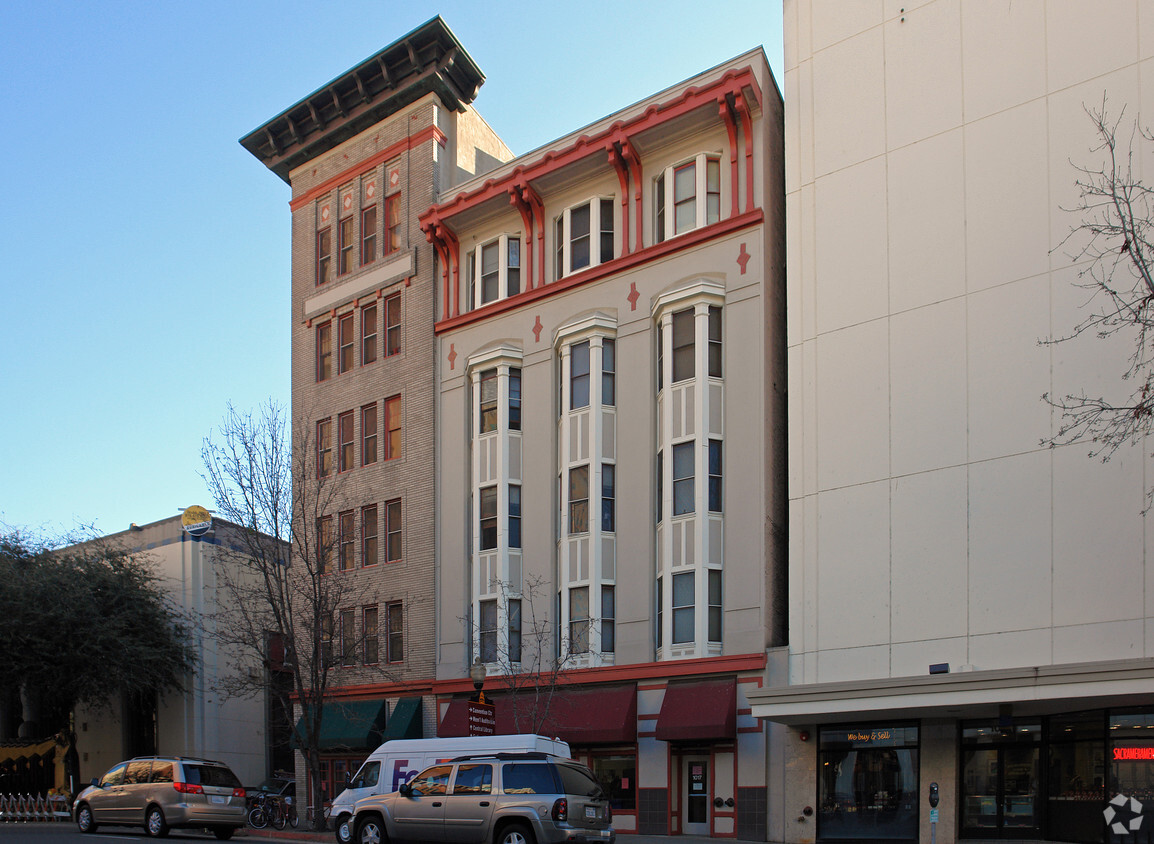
(699, 711)
(579, 715)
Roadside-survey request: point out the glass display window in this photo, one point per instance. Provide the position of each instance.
(868, 782)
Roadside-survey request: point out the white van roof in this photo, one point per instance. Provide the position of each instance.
(521, 742)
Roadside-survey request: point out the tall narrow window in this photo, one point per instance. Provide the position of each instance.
(683, 488)
(345, 435)
(579, 375)
(608, 619)
(324, 351)
(584, 236)
(392, 223)
(683, 593)
(324, 256)
(660, 484)
(396, 632)
(514, 630)
(369, 235)
(579, 620)
(371, 635)
(393, 531)
(324, 448)
(488, 513)
(490, 272)
(514, 516)
(691, 191)
(513, 266)
(487, 631)
(514, 399)
(345, 236)
(392, 428)
(579, 499)
(579, 250)
(683, 365)
(715, 501)
(714, 605)
(608, 497)
(348, 637)
(345, 342)
(660, 612)
(348, 540)
(488, 414)
(368, 333)
(369, 434)
(324, 544)
(327, 638)
(608, 373)
(369, 554)
(393, 324)
(714, 341)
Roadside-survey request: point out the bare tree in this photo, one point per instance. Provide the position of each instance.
(282, 585)
(529, 663)
(1114, 243)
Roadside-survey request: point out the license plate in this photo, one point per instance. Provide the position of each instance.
(219, 800)
(590, 812)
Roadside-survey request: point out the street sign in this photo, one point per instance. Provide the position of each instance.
(933, 815)
(482, 718)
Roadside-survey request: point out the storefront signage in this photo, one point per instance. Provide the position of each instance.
(196, 520)
(1134, 754)
(871, 737)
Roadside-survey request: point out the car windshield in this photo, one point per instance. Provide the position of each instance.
(211, 775)
(273, 785)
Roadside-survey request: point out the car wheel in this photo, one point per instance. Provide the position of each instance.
(84, 819)
(155, 826)
(345, 828)
(370, 831)
(516, 833)
(224, 833)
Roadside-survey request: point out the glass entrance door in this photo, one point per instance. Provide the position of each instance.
(695, 793)
(1000, 769)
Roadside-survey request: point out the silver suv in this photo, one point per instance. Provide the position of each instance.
(502, 798)
(163, 792)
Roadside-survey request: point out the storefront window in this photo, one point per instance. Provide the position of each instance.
(618, 776)
(1000, 777)
(1075, 775)
(868, 781)
(1131, 747)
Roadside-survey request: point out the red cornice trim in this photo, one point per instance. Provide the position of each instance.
(689, 100)
(637, 672)
(617, 265)
(429, 133)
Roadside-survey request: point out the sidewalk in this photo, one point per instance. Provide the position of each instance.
(272, 836)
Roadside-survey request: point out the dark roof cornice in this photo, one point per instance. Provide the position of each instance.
(429, 59)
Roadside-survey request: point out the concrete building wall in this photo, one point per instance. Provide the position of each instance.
(929, 160)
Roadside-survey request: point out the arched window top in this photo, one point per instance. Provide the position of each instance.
(704, 290)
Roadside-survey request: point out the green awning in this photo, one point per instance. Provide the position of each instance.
(406, 721)
(349, 725)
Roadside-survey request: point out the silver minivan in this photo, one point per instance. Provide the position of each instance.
(160, 793)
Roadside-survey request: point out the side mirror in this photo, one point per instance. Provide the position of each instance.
(405, 789)
(95, 782)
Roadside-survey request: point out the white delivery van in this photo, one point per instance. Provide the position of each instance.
(398, 761)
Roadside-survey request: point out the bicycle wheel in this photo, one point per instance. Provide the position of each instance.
(293, 819)
(257, 818)
(278, 816)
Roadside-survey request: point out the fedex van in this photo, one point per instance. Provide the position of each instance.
(398, 761)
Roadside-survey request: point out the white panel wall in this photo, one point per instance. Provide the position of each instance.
(928, 160)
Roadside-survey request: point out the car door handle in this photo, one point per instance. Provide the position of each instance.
(484, 802)
(436, 804)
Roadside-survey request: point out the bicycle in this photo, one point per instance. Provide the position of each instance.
(291, 813)
(267, 810)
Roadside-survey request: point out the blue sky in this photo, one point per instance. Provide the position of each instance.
(145, 267)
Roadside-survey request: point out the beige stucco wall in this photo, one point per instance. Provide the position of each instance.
(928, 149)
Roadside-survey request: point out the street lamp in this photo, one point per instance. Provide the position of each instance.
(477, 673)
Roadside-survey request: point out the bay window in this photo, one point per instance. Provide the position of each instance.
(494, 270)
(584, 236)
(687, 196)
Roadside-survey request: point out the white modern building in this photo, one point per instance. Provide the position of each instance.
(967, 606)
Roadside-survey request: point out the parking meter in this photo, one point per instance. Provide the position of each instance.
(934, 795)
(934, 798)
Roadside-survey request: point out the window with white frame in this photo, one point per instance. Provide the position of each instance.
(683, 607)
(579, 620)
(584, 236)
(494, 270)
(608, 619)
(687, 196)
